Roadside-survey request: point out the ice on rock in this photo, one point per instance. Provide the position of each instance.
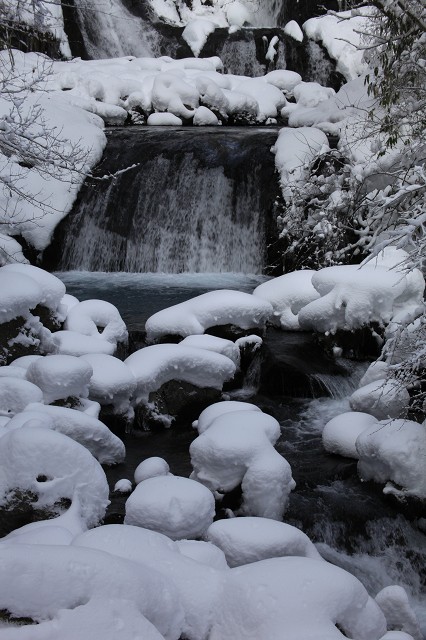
(112, 382)
(392, 452)
(297, 598)
(237, 449)
(151, 468)
(76, 344)
(53, 467)
(340, 433)
(212, 309)
(196, 33)
(51, 287)
(16, 394)
(250, 539)
(288, 294)
(393, 601)
(87, 430)
(97, 318)
(175, 506)
(60, 376)
(212, 343)
(155, 365)
(382, 399)
(49, 583)
(209, 415)
(204, 553)
(19, 294)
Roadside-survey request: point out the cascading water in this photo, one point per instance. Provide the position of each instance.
(197, 201)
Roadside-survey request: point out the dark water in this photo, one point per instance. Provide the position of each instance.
(353, 523)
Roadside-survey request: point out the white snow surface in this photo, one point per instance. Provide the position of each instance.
(210, 309)
(73, 343)
(51, 287)
(212, 343)
(151, 468)
(164, 119)
(213, 411)
(60, 376)
(112, 382)
(340, 433)
(392, 452)
(16, 394)
(12, 372)
(71, 471)
(20, 293)
(394, 603)
(293, 30)
(97, 318)
(250, 539)
(155, 365)
(175, 506)
(204, 553)
(287, 295)
(382, 399)
(196, 33)
(237, 448)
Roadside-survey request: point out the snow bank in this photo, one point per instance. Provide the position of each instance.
(382, 399)
(60, 376)
(212, 309)
(175, 506)
(91, 433)
(97, 318)
(112, 382)
(287, 295)
(393, 452)
(53, 467)
(246, 540)
(46, 582)
(155, 365)
(237, 449)
(151, 468)
(209, 415)
(340, 433)
(297, 598)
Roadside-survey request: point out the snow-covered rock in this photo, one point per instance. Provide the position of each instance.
(164, 119)
(249, 539)
(97, 318)
(237, 448)
(209, 415)
(112, 382)
(16, 394)
(293, 30)
(392, 452)
(73, 343)
(204, 553)
(123, 486)
(212, 343)
(287, 295)
(151, 468)
(394, 603)
(196, 33)
(340, 433)
(52, 288)
(382, 399)
(205, 117)
(20, 293)
(60, 376)
(175, 506)
(212, 309)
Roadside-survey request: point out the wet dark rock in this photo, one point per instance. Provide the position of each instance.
(21, 509)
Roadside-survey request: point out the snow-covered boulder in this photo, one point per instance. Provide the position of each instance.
(67, 589)
(151, 468)
(112, 382)
(212, 309)
(311, 94)
(382, 399)
(340, 433)
(12, 372)
(204, 553)
(283, 79)
(60, 377)
(297, 598)
(196, 33)
(97, 318)
(164, 119)
(287, 295)
(52, 289)
(392, 452)
(88, 431)
(249, 539)
(209, 415)
(73, 343)
(24, 361)
(376, 371)
(293, 30)
(19, 294)
(175, 506)
(394, 603)
(123, 486)
(205, 117)
(269, 98)
(237, 449)
(212, 343)
(42, 468)
(16, 394)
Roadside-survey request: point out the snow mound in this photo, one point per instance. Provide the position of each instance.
(43, 582)
(393, 601)
(16, 394)
(60, 376)
(209, 415)
(205, 117)
(88, 431)
(196, 33)
(293, 30)
(340, 433)
(311, 94)
(288, 294)
(155, 365)
(97, 318)
(175, 506)
(382, 399)
(297, 598)
(53, 467)
(237, 449)
(19, 294)
(393, 452)
(164, 120)
(284, 79)
(212, 309)
(237, 15)
(204, 553)
(212, 343)
(112, 382)
(24, 361)
(73, 343)
(151, 468)
(246, 540)
(376, 371)
(53, 289)
(12, 372)
(123, 486)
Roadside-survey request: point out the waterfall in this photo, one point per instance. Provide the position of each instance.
(196, 202)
